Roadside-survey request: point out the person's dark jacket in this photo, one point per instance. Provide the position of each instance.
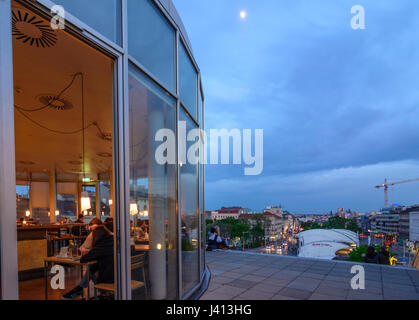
(371, 256)
(384, 257)
(103, 253)
(214, 241)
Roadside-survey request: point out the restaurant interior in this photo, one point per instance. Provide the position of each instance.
(64, 157)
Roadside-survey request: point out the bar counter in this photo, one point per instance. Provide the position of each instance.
(34, 244)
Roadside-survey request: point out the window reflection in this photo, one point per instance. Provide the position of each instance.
(152, 191)
(188, 204)
(104, 197)
(201, 185)
(102, 15)
(62, 149)
(22, 200)
(152, 41)
(67, 205)
(187, 82)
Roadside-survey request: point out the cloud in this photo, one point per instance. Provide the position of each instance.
(328, 97)
(319, 191)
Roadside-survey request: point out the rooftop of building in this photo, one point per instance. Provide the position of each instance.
(237, 275)
(230, 210)
(252, 215)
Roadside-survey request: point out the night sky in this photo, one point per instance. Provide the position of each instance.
(339, 107)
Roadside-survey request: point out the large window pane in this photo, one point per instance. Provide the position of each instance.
(61, 150)
(104, 197)
(22, 200)
(91, 192)
(187, 82)
(188, 204)
(152, 190)
(202, 184)
(67, 205)
(202, 212)
(102, 15)
(152, 41)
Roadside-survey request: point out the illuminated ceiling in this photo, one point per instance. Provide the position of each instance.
(45, 62)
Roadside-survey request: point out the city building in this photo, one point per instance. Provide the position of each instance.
(289, 223)
(275, 210)
(83, 100)
(276, 226)
(271, 223)
(227, 212)
(408, 223)
(387, 222)
(364, 221)
(414, 226)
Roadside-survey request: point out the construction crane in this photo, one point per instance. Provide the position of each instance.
(385, 185)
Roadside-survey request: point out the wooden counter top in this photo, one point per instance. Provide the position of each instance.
(49, 226)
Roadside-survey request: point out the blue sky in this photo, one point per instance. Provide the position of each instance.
(339, 107)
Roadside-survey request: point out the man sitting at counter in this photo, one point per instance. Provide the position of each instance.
(99, 241)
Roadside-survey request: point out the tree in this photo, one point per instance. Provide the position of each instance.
(230, 227)
(353, 226)
(239, 229)
(310, 225)
(335, 222)
(258, 233)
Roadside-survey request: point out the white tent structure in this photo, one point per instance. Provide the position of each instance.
(324, 243)
(321, 250)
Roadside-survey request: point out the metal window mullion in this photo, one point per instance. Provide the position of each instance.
(195, 122)
(180, 280)
(124, 262)
(203, 170)
(8, 233)
(199, 183)
(74, 22)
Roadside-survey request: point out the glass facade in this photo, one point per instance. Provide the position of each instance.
(152, 186)
(105, 167)
(152, 41)
(202, 183)
(188, 204)
(103, 16)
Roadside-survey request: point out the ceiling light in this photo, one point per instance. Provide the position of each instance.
(85, 201)
(18, 90)
(105, 155)
(55, 102)
(133, 209)
(75, 162)
(27, 163)
(31, 30)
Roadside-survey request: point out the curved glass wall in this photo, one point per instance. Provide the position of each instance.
(159, 233)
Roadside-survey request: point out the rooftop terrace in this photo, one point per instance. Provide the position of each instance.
(248, 276)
